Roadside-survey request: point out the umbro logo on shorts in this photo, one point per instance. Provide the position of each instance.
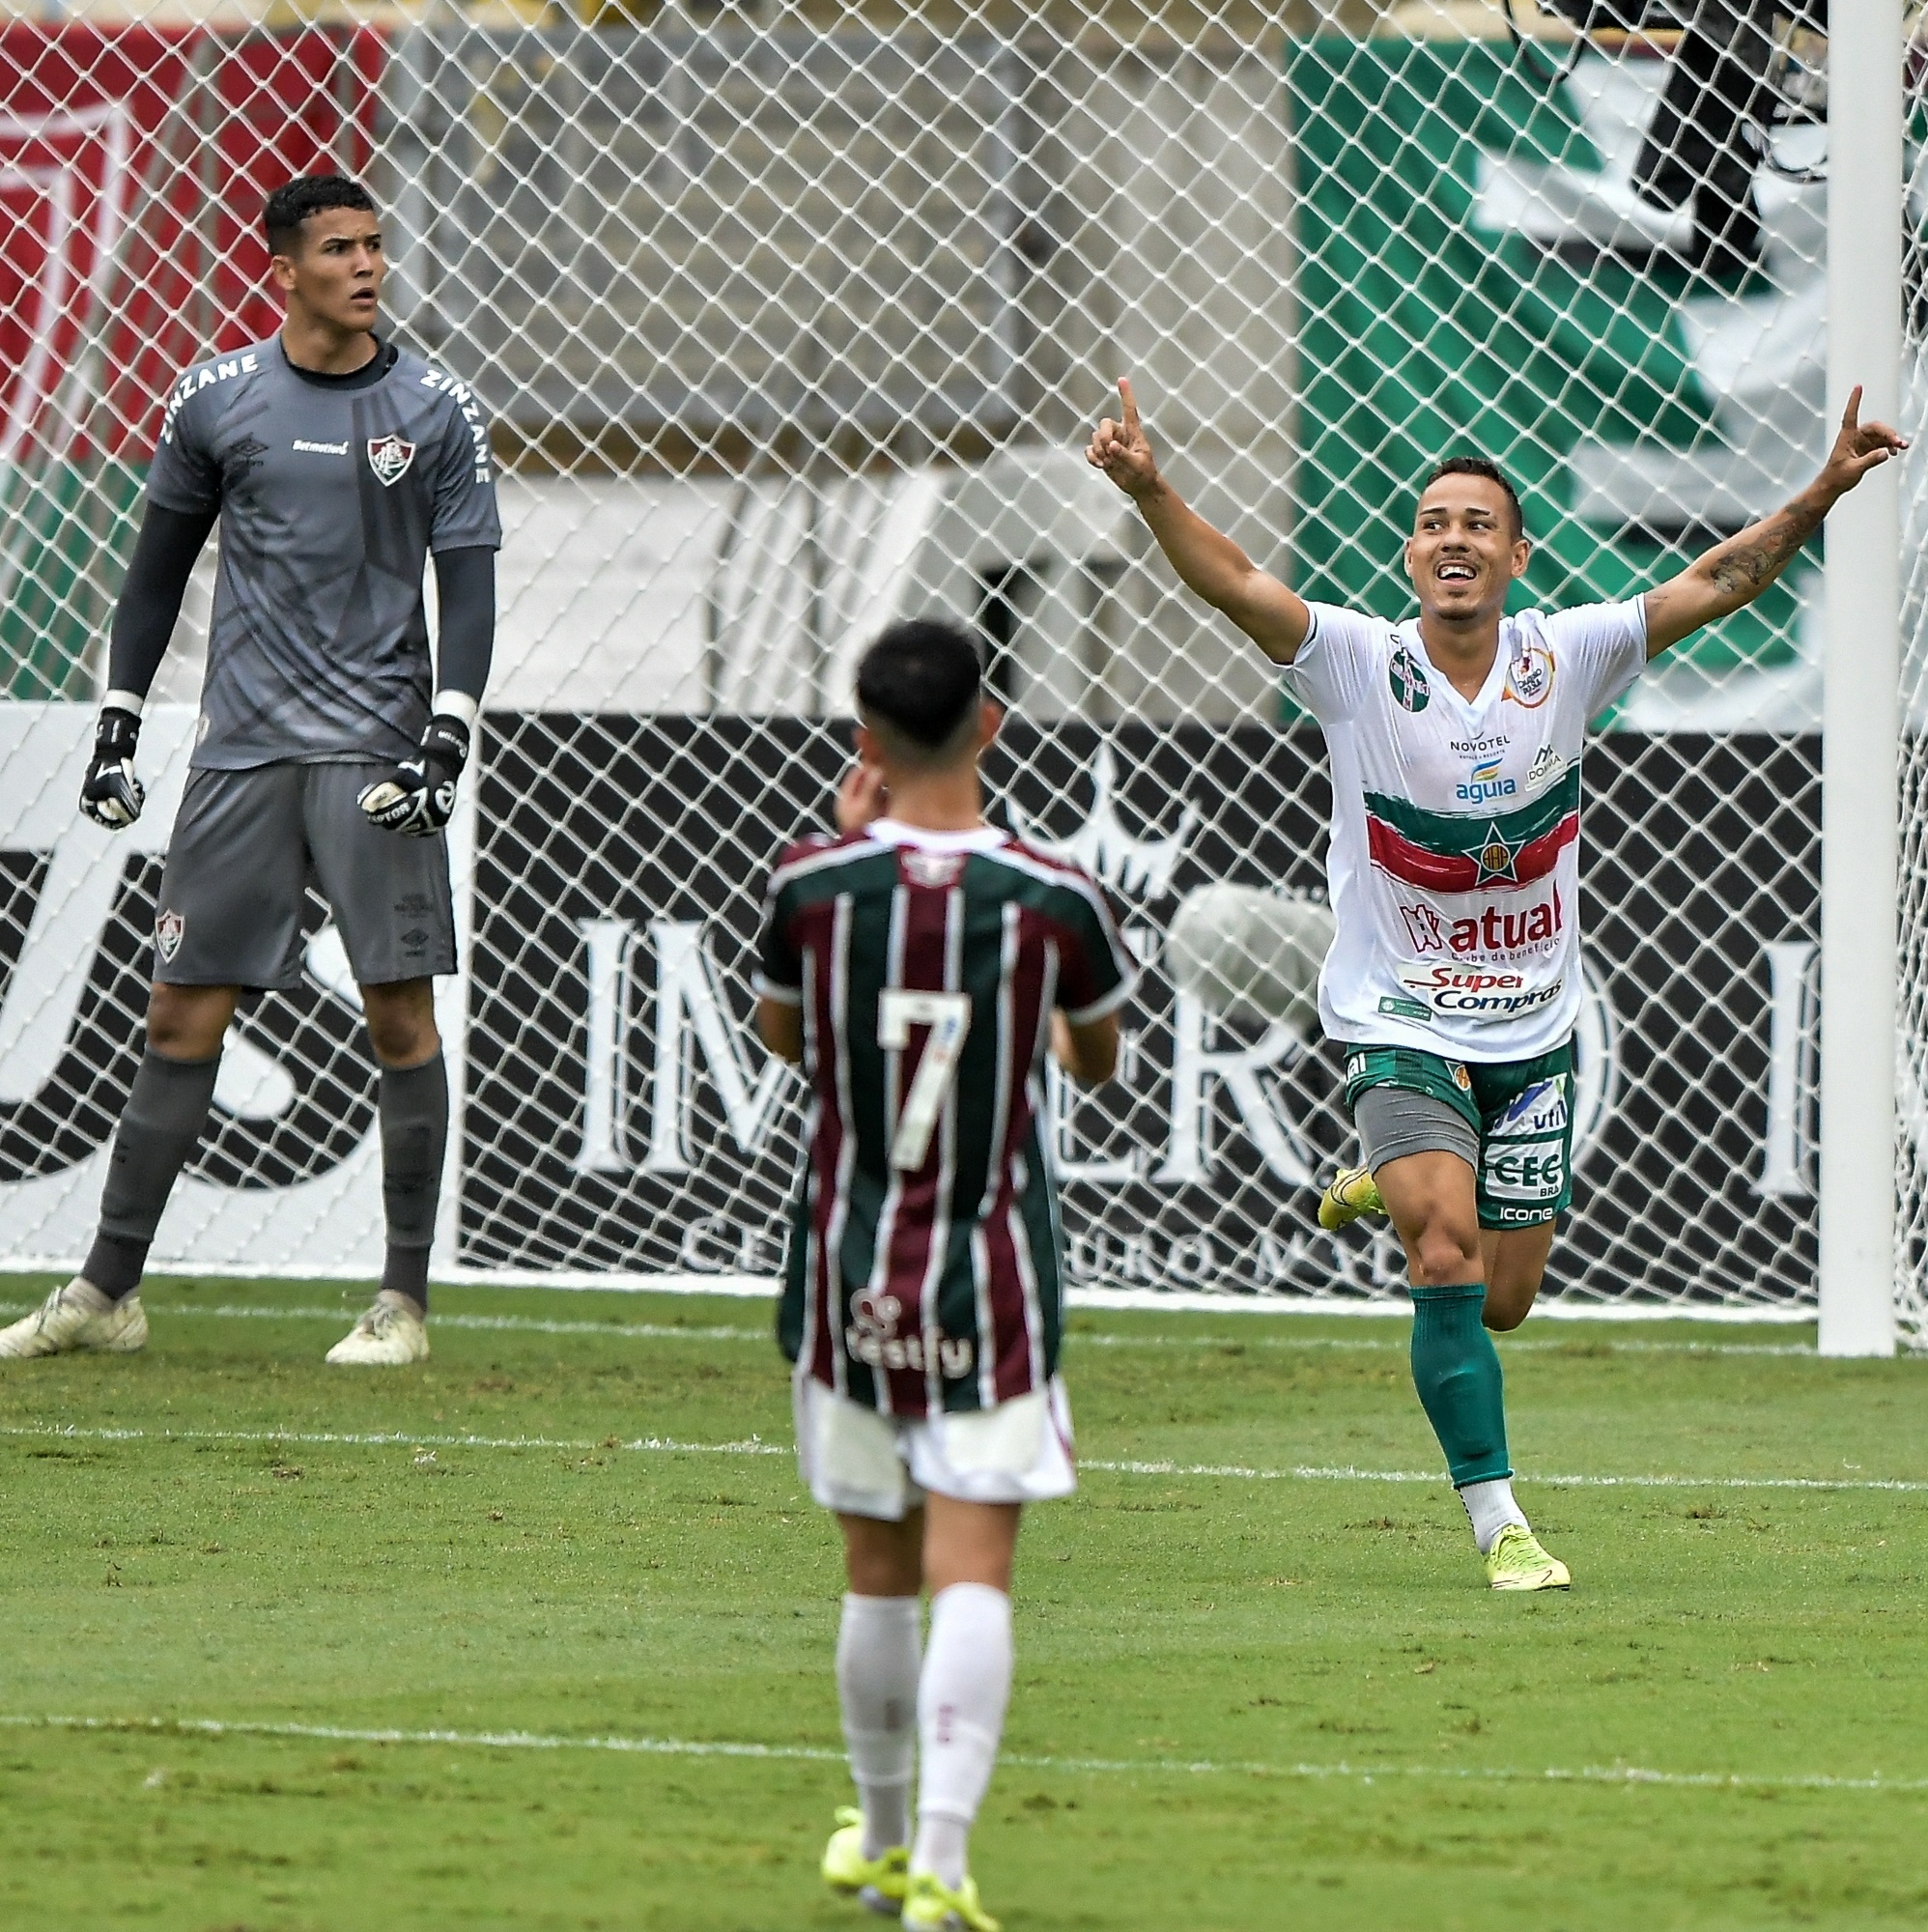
(390, 457)
(168, 929)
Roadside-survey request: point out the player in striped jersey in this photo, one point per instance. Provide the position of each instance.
(917, 967)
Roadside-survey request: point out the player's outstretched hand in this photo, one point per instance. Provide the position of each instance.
(1859, 447)
(417, 798)
(861, 798)
(110, 794)
(1121, 449)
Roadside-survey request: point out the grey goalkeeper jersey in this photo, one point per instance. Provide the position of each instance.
(330, 497)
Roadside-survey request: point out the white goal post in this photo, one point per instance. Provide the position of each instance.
(792, 316)
(1861, 1266)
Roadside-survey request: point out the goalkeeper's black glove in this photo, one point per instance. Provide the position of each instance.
(110, 794)
(417, 798)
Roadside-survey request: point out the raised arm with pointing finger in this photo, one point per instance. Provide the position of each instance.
(1209, 562)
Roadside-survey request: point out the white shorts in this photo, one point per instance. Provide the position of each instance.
(859, 1463)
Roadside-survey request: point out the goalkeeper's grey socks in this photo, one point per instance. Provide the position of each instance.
(415, 1138)
(162, 1120)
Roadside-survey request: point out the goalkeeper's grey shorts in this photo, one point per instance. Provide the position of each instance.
(245, 848)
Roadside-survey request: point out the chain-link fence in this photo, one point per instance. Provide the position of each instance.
(794, 317)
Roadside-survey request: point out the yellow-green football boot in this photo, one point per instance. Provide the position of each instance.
(878, 1884)
(932, 1906)
(1517, 1562)
(1348, 1193)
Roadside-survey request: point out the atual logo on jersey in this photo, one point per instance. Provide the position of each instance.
(1407, 678)
(1493, 934)
(168, 930)
(1529, 678)
(390, 457)
(1424, 928)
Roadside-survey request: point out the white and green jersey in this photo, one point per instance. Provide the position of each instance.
(1456, 823)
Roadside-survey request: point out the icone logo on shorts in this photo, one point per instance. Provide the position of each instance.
(1474, 994)
(168, 929)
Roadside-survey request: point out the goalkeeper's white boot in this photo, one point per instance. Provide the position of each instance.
(389, 1335)
(75, 1319)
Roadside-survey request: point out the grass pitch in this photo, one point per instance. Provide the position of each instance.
(1249, 1695)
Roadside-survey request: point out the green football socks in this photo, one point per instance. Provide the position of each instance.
(1455, 1370)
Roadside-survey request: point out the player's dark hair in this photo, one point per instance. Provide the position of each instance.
(1480, 465)
(919, 688)
(292, 202)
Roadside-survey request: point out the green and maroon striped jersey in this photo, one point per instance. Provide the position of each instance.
(924, 1268)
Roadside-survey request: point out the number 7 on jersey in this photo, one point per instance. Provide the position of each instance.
(948, 1015)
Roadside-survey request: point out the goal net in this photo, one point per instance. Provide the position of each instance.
(792, 318)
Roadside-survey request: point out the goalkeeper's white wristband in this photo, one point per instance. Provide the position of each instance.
(459, 705)
(123, 701)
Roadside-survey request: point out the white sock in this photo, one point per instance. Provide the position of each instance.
(960, 1710)
(1492, 1507)
(876, 1686)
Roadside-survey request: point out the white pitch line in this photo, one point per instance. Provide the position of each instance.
(538, 1740)
(651, 1331)
(663, 1445)
(659, 1445)
(659, 1331)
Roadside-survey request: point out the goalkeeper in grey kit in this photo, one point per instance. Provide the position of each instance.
(335, 463)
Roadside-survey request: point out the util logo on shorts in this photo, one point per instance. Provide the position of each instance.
(168, 929)
(390, 457)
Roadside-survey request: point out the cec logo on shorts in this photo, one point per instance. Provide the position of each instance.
(1523, 1158)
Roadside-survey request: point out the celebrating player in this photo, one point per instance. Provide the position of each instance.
(334, 461)
(917, 968)
(1453, 980)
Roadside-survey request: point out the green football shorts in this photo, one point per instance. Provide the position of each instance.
(1522, 1112)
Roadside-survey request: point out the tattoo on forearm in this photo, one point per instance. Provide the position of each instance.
(1747, 564)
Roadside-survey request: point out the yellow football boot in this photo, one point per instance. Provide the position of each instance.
(1348, 1193)
(932, 1906)
(1517, 1562)
(878, 1884)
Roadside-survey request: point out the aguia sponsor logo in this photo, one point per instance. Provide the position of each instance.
(1483, 782)
(1475, 993)
(1494, 933)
